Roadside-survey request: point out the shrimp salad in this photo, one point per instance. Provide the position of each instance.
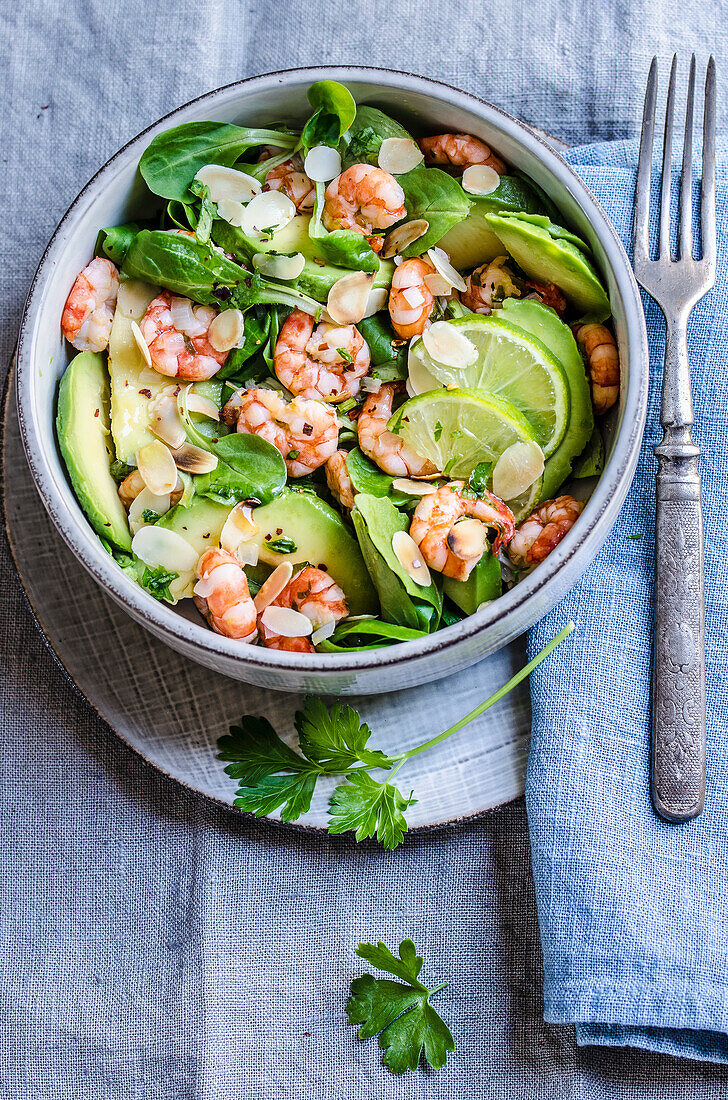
(341, 384)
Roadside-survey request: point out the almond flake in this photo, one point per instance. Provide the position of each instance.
(267, 213)
(447, 345)
(272, 587)
(322, 164)
(399, 155)
(468, 539)
(410, 558)
(323, 632)
(441, 263)
(516, 470)
(276, 266)
(286, 622)
(165, 421)
(480, 179)
(194, 460)
(403, 236)
(413, 488)
(157, 468)
(228, 183)
(141, 343)
(227, 330)
(205, 406)
(349, 297)
(238, 527)
(157, 545)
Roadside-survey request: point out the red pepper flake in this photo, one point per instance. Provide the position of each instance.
(308, 429)
(322, 565)
(97, 412)
(145, 393)
(279, 530)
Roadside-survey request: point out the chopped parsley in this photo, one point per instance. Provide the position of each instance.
(281, 545)
(157, 581)
(149, 516)
(345, 355)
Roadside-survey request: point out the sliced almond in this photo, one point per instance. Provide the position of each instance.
(157, 467)
(378, 298)
(227, 330)
(322, 164)
(441, 263)
(159, 546)
(272, 587)
(323, 632)
(414, 488)
(403, 236)
(232, 212)
(147, 501)
(141, 343)
(410, 558)
(165, 421)
(468, 539)
(194, 460)
(419, 379)
(205, 406)
(267, 213)
(349, 297)
(286, 622)
(480, 179)
(238, 527)
(516, 470)
(447, 345)
(276, 266)
(228, 183)
(399, 155)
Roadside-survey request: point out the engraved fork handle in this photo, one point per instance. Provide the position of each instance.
(678, 724)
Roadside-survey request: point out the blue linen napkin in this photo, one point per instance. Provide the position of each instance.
(633, 911)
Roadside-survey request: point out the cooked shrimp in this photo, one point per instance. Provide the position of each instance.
(132, 486)
(410, 300)
(548, 294)
(223, 597)
(306, 432)
(313, 593)
(389, 451)
(324, 363)
(459, 151)
(180, 353)
(364, 198)
(600, 349)
(338, 480)
(488, 285)
(544, 529)
(290, 178)
(456, 552)
(89, 308)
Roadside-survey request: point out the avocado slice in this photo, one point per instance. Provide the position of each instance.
(553, 259)
(590, 462)
(200, 523)
(485, 583)
(472, 241)
(82, 424)
(318, 275)
(321, 538)
(543, 322)
(134, 385)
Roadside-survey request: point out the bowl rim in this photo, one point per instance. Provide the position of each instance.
(598, 516)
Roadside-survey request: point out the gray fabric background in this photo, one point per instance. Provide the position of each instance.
(155, 946)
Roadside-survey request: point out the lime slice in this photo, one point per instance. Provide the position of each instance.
(457, 429)
(510, 363)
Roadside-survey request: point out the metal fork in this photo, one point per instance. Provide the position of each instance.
(677, 284)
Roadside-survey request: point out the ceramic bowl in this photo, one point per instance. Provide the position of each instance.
(116, 194)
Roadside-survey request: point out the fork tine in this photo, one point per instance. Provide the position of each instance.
(707, 189)
(664, 249)
(644, 169)
(685, 246)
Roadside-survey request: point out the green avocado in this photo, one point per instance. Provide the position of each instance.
(82, 424)
(472, 241)
(483, 585)
(320, 538)
(590, 462)
(549, 254)
(200, 523)
(543, 322)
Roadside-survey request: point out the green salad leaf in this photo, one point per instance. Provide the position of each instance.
(334, 112)
(366, 134)
(432, 194)
(172, 159)
(114, 242)
(388, 353)
(345, 248)
(366, 634)
(400, 1013)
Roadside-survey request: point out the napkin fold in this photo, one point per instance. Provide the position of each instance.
(633, 911)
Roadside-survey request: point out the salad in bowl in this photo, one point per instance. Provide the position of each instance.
(332, 387)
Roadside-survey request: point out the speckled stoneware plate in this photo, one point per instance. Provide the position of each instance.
(171, 711)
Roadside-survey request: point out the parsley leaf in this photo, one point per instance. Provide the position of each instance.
(345, 355)
(157, 582)
(478, 479)
(257, 751)
(282, 545)
(407, 1024)
(336, 738)
(368, 808)
(150, 516)
(292, 793)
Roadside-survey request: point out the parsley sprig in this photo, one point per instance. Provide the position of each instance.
(333, 741)
(400, 1013)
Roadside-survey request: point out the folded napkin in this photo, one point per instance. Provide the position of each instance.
(634, 911)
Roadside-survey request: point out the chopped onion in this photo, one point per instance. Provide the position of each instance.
(286, 622)
(160, 546)
(183, 318)
(228, 183)
(438, 286)
(480, 179)
(322, 164)
(349, 297)
(371, 385)
(410, 558)
(399, 155)
(447, 345)
(227, 330)
(157, 468)
(247, 553)
(274, 265)
(413, 296)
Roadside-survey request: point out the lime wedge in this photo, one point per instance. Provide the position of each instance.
(457, 429)
(510, 363)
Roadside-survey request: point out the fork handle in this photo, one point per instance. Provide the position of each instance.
(678, 726)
